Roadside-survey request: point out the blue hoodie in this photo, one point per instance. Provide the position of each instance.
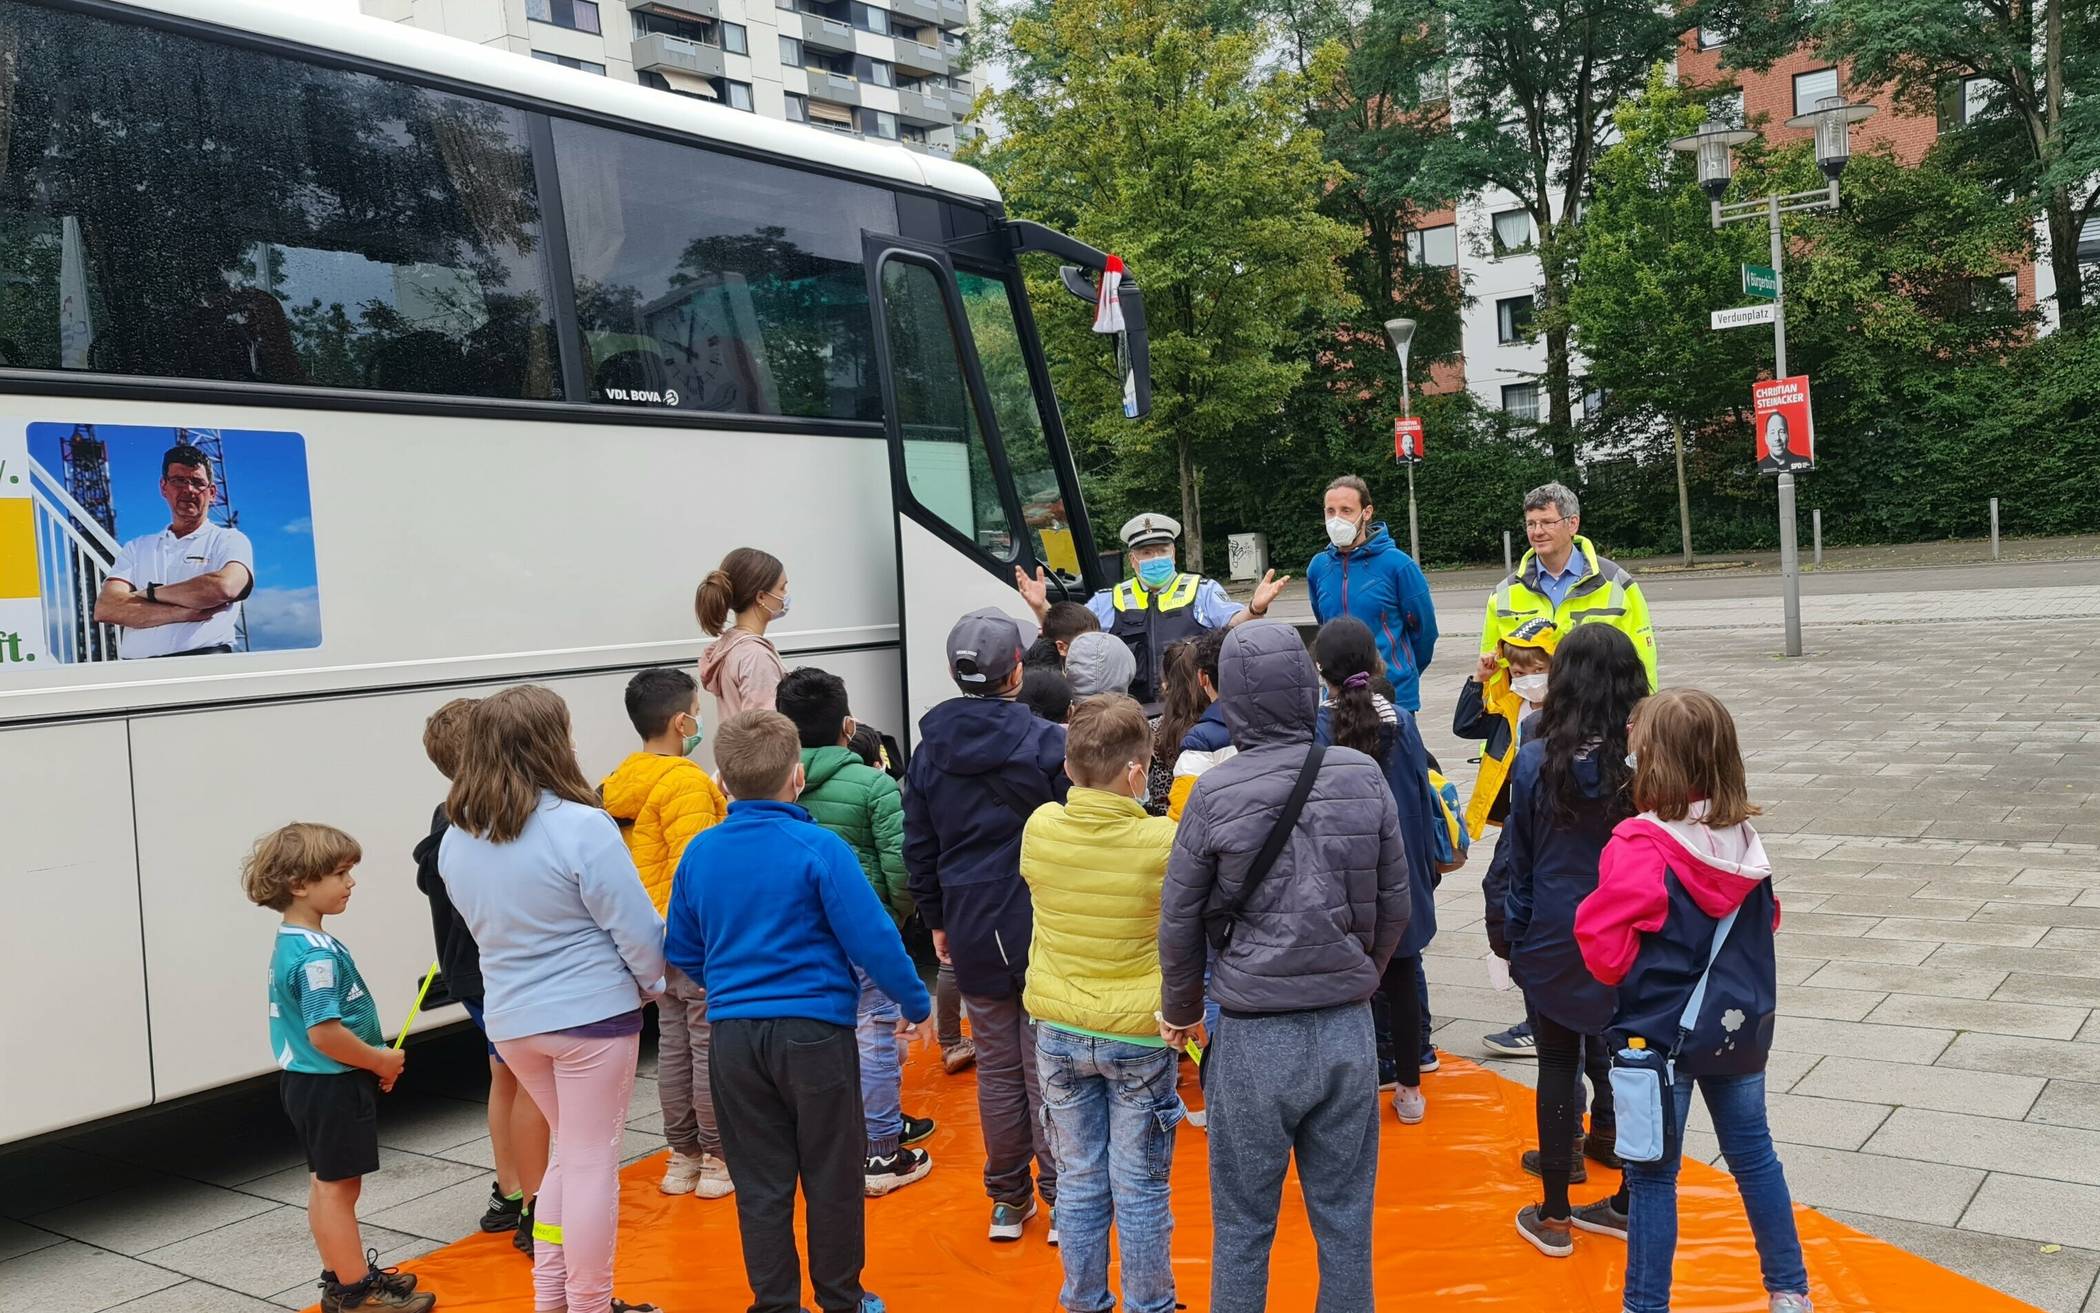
(1382, 586)
(771, 912)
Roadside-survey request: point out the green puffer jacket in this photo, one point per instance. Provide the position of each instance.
(861, 805)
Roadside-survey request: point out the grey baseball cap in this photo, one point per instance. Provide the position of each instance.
(983, 649)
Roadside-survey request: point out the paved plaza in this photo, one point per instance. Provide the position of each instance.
(1931, 777)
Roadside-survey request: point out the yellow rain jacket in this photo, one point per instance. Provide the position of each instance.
(1604, 594)
(1094, 867)
(661, 803)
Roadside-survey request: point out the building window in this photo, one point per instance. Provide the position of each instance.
(825, 114)
(869, 18)
(1594, 399)
(735, 39)
(1810, 89)
(1963, 102)
(579, 15)
(1435, 84)
(1726, 109)
(739, 96)
(877, 123)
(583, 65)
(880, 72)
(2089, 240)
(1520, 401)
(1433, 248)
(648, 24)
(1512, 232)
(790, 52)
(1512, 318)
(1710, 37)
(913, 133)
(797, 108)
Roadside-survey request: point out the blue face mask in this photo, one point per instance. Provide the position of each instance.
(1156, 572)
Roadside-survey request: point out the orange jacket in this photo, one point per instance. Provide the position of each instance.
(661, 803)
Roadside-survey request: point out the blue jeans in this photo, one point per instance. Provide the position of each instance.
(1110, 1111)
(881, 1072)
(1737, 1104)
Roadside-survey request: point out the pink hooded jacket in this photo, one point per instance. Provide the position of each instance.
(1717, 868)
(742, 670)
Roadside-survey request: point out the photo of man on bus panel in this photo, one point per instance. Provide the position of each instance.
(193, 584)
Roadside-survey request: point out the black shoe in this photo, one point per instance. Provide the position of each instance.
(1577, 1174)
(522, 1239)
(1388, 1074)
(879, 1176)
(502, 1214)
(916, 1130)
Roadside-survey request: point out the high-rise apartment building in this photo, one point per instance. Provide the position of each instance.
(897, 71)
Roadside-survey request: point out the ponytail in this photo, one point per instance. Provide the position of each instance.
(743, 575)
(1349, 662)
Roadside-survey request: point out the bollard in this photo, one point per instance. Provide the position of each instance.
(1994, 528)
(1815, 520)
(1508, 566)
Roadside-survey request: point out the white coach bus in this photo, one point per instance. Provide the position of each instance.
(454, 369)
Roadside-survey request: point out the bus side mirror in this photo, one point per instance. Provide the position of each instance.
(1133, 345)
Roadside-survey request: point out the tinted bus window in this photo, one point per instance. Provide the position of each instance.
(173, 207)
(709, 282)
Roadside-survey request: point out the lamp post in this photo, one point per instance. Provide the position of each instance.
(1831, 120)
(1402, 333)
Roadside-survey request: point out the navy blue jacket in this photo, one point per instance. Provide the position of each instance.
(1552, 867)
(1406, 765)
(981, 768)
(1382, 586)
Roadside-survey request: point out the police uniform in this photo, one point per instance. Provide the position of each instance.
(1151, 622)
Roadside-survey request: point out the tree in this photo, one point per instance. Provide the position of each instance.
(1533, 87)
(2038, 61)
(1141, 128)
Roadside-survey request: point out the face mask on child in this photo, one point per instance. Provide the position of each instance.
(1531, 688)
(692, 740)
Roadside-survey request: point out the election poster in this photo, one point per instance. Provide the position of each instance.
(1786, 428)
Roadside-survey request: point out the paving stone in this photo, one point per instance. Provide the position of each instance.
(198, 1297)
(1783, 1069)
(1878, 905)
(147, 1216)
(1950, 982)
(1904, 1084)
(1956, 932)
(1815, 879)
(2052, 1058)
(1829, 1004)
(401, 1177)
(19, 1238)
(2055, 1282)
(2056, 1153)
(1870, 1183)
(2011, 913)
(1822, 923)
(2047, 1212)
(2068, 1103)
(423, 1124)
(2076, 937)
(2037, 1019)
(1862, 1040)
(48, 1176)
(1828, 1123)
(1838, 948)
(2069, 990)
(443, 1215)
(261, 1256)
(72, 1278)
(2040, 961)
(1796, 970)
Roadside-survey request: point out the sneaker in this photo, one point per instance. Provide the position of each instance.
(1599, 1218)
(872, 1303)
(1009, 1219)
(916, 1130)
(1552, 1237)
(522, 1238)
(1388, 1075)
(390, 1279)
(1429, 1061)
(502, 1214)
(339, 1298)
(1409, 1105)
(1052, 1237)
(713, 1182)
(1603, 1149)
(622, 1306)
(960, 1058)
(1196, 1117)
(1516, 1042)
(879, 1176)
(1577, 1174)
(1787, 1301)
(682, 1173)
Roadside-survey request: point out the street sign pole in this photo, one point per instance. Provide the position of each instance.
(1789, 531)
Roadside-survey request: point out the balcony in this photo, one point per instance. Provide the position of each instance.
(927, 110)
(954, 13)
(660, 52)
(918, 11)
(960, 98)
(819, 31)
(915, 58)
(931, 148)
(707, 10)
(830, 86)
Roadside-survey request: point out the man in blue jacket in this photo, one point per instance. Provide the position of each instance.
(983, 764)
(1365, 574)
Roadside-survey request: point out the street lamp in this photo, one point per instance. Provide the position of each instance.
(1401, 332)
(1831, 121)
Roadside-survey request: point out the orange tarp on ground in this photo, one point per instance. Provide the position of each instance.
(1448, 1191)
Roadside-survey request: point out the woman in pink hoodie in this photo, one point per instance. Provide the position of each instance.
(735, 603)
(1684, 870)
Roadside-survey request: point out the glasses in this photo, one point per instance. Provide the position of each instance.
(1531, 525)
(194, 485)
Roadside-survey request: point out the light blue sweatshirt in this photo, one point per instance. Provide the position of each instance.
(568, 935)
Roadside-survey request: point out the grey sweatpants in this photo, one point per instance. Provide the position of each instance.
(1303, 1083)
(682, 1046)
(1009, 1101)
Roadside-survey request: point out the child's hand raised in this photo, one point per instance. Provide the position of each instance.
(1485, 671)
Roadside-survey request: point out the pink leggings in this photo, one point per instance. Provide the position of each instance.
(582, 1086)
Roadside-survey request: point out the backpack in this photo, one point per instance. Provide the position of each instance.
(1452, 841)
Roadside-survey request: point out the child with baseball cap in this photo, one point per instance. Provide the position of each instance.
(983, 765)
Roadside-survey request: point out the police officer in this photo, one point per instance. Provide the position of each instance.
(1157, 606)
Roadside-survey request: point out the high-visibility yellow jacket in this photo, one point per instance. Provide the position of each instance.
(1094, 867)
(1605, 594)
(661, 803)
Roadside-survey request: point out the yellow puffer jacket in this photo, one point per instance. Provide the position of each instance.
(1094, 868)
(661, 803)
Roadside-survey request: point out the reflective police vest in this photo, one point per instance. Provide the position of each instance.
(1605, 594)
(1150, 623)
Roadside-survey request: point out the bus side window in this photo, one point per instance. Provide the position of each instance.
(947, 464)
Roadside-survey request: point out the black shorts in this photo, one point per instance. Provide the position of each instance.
(337, 1118)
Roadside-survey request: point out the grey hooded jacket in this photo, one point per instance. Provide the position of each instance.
(1099, 663)
(1318, 931)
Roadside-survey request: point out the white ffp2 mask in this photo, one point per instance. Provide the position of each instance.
(1341, 532)
(1531, 688)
